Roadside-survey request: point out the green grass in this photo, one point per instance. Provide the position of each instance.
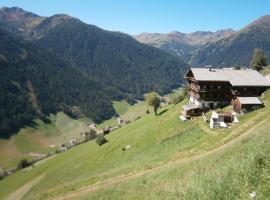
(39, 138)
(155, 140)
(126, 111)
(231, 174)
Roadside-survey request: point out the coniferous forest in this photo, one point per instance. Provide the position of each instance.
(63, 64)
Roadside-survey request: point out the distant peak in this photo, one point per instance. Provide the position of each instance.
(61, 16)
(262, 22)
(16, 11)
(12, 9)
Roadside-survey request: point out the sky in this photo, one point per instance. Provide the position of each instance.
(162, 16)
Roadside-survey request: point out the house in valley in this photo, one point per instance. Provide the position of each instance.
(210, 88)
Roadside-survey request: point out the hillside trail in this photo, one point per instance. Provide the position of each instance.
(161, 166)
(21, 192)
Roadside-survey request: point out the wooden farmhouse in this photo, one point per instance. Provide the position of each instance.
(210, 88)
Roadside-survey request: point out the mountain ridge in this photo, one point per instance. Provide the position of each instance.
(116, 63)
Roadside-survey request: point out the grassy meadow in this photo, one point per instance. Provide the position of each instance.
(167, 159)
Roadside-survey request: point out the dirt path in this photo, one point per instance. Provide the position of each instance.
(125, 177)
(19, 194)
(34, 154)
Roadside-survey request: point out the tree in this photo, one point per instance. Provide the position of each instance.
(100, 140)
(258, 60)
(23, 163)
(153, 100)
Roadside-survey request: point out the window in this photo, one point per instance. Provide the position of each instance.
(219, 87)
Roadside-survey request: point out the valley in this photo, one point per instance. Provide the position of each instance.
(91, 112)
(157, 143)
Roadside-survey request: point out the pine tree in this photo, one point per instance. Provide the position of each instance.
(258, 60)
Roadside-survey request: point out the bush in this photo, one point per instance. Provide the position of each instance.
(100, 140)
(23, 163)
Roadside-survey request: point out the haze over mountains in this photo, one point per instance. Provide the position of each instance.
(101, 66)
(224, 48)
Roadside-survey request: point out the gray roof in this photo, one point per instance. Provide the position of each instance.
(244, 77)
(249, 100)
(191, 107)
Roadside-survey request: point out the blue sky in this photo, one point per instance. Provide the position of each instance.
(136, 16)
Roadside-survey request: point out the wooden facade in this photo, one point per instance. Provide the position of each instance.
(240, 107)
(211, 92)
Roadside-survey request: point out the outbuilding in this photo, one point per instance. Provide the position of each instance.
(192, 110)
(243, 105)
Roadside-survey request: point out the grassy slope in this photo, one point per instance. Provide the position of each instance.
(38, 139)
(63, 128)
(153, 140)
(126, 111)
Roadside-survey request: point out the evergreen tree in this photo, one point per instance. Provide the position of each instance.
(258, 60)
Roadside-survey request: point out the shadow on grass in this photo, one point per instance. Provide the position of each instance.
(162, 112)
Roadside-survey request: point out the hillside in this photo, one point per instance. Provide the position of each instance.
(36, 83)
(98, 67)
(167, 159)
(111, 58)
(182, 44)
(225, 48)
(236, 50)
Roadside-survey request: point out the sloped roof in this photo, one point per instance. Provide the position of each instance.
(249, 100)
(245, 77)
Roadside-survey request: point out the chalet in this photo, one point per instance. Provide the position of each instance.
(211, 88)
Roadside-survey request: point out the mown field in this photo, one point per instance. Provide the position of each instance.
(167, 159)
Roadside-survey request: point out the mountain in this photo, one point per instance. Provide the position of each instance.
(112, 58)
(99, 66)
(181, 44)
(35, 83)
(224, 48)
(18, 21)
(237, 49)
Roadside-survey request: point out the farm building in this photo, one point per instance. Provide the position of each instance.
(246, 104)
(211, 88)
(191, 110)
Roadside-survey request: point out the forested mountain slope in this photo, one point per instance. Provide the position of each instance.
(236, 50)
(75, 67)
(34, 83)
(183, 45)
(225, 48)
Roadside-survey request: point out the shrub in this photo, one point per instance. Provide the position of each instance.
(100, 140)
(23, 163)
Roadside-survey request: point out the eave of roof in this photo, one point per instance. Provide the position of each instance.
(234, 77)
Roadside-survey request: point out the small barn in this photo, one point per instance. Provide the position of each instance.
(192, 110)
(246, 104)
